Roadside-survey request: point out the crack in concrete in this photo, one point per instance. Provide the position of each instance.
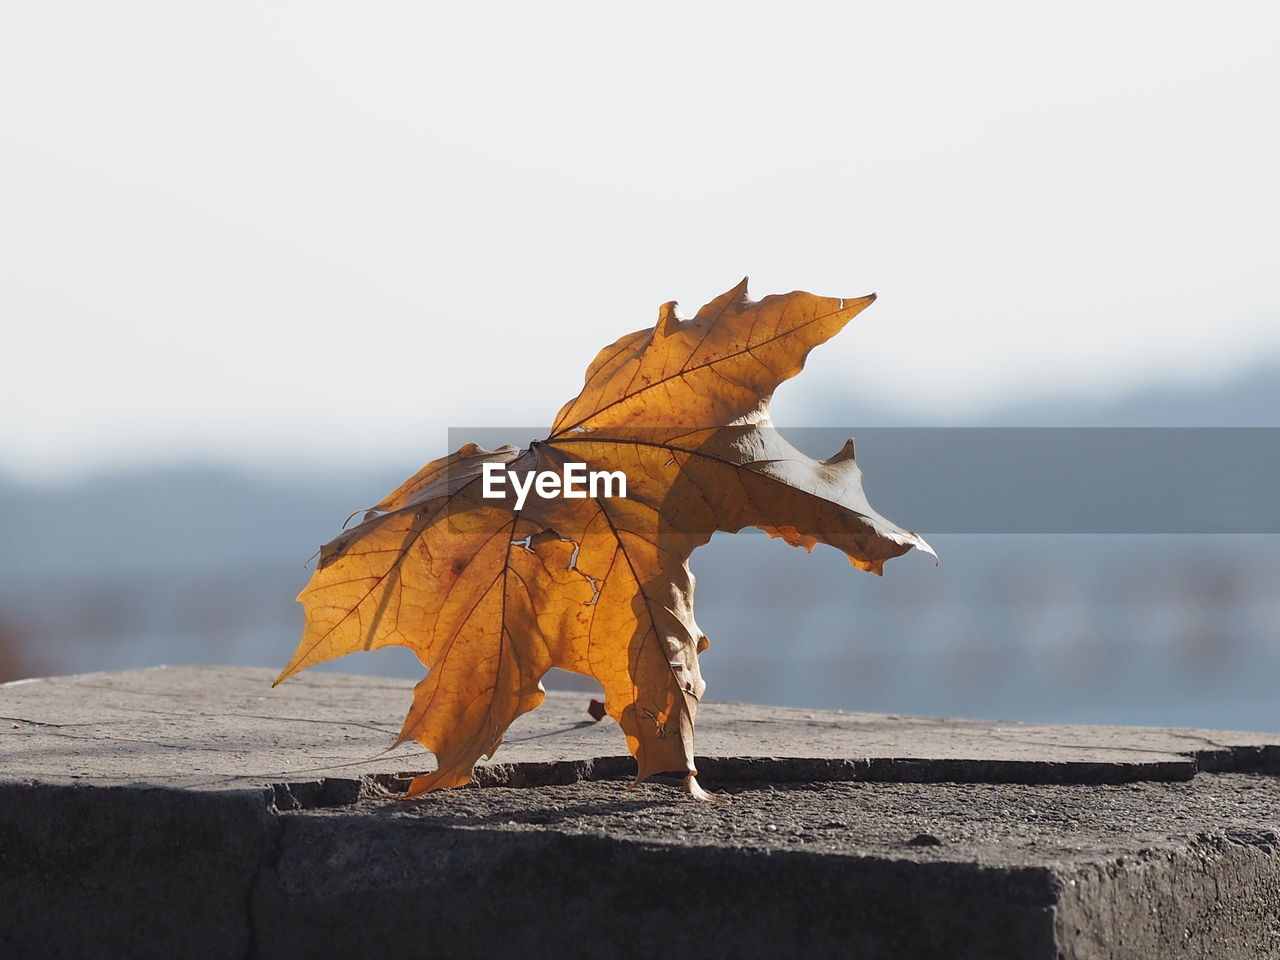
(148, 742)
(39, 723)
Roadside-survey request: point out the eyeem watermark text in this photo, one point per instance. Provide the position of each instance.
(573, 482)
(1036, 480)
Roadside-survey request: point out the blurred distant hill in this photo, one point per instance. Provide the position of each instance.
(1249, 399)
(192, 564)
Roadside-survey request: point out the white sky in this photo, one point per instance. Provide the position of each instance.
(323, 233)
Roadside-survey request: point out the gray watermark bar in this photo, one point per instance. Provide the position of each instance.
(1132, 480)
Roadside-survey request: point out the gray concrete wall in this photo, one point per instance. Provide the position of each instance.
(195, 812)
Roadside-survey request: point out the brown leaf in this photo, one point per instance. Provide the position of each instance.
(490, 593)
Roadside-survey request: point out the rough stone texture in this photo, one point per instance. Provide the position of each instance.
(196, 812)
(225, 727)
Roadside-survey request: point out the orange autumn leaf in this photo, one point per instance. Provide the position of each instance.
(492, 591)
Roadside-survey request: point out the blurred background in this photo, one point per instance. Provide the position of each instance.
(257, 259)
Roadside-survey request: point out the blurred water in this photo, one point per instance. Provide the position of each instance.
(1169, 630)
(192, 566)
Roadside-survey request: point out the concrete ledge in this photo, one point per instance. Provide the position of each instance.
(196, 812)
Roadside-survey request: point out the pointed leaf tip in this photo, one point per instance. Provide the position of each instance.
(844, 454)
(669, 318)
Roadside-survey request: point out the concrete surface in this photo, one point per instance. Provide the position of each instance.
(196, 812)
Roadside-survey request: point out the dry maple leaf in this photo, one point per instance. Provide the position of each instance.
(492, 592)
